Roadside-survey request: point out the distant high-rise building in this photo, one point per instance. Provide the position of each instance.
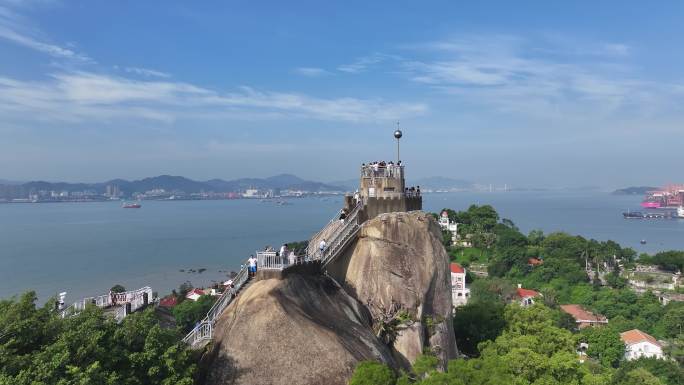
(113, 191)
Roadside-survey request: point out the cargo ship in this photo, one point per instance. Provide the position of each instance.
(671, 196)
(131, 205)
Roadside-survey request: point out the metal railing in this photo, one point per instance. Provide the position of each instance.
(203, 332)
(387, 171)
(135, 297)
(341, 237)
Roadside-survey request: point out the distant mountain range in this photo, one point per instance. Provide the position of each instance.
(430, 183)
(171, 183)
(638, 190)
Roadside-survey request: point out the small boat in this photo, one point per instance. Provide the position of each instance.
(643, 242)
(633, 215)
(131, 205)
(680, 212)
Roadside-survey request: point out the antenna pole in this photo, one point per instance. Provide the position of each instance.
(398, 135)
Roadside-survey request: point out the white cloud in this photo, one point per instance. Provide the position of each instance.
(90, 97)
(362, 64)
(13, 29)
(147, 72)
(312, 72)
(529, 78)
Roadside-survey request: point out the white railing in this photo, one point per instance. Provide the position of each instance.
(203, 332)
(341, 237)
(270, 260)
(387, 171)
(134, 297)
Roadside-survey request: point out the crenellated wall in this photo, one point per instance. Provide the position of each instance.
(377, 206)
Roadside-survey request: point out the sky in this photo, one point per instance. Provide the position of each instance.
(527, 93)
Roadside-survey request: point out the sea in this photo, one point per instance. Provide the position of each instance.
(86, 248)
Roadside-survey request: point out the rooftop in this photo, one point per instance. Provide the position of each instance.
(581, 314)
(635, 336)
(456, 268)
(527, 293)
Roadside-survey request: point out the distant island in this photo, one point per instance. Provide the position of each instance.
(164, 187)
(638, 190)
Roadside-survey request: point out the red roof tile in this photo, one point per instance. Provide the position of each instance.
(635, 336)
(456, 268)
(527, 293)
(195, 291)
(170, 301)
(535, 262)
(580, 314)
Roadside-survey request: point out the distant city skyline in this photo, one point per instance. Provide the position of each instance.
(523, 93)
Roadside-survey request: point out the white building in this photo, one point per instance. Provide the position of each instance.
(639, 344)
(446, 224)
(526, 296)
(459, 292)
(195, 294)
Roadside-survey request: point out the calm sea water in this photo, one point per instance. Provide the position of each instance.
(85, 248)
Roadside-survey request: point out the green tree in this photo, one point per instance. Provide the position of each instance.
(672, 322)
(675, 349)
(372, 373)
(667, 371)
(37, 346)
(476, 322)
(188, 313)
(118, 289)
(605, 345)
(639, 376)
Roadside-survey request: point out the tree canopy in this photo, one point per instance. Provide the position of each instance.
(37, 347)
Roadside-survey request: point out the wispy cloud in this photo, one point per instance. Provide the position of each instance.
(312, 72)
(364, 63)
(13, 28)
(90, 97)
(526, 77)
(147, 72)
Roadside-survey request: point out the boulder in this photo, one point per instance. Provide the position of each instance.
(303, 329)
(399, 268)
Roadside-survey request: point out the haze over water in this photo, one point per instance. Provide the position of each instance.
(85, 248)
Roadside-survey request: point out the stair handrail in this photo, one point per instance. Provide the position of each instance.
(339, 236)
(203, 331)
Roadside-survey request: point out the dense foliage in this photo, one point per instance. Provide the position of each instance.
(37, 347)
(189, 313)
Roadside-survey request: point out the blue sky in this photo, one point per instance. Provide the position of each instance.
(529, 93)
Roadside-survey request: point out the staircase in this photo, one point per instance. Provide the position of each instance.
(342, 237)
(203, 332)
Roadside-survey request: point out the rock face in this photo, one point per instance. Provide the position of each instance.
(303, 329)
(399, 264)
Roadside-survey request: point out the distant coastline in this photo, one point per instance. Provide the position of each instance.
(634, 190)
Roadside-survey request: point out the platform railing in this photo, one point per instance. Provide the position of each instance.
(134, 297)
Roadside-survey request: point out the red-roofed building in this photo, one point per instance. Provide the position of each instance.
(459, 292)
(169, 301)
(194, 294)
(583, 317)
(526, 296)
(534, 262)
(639, 344)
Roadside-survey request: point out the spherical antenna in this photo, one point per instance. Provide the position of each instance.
(398, 134)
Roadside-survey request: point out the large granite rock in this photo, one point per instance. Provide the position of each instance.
(399, 265)
(305, 329)
(301, 330)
